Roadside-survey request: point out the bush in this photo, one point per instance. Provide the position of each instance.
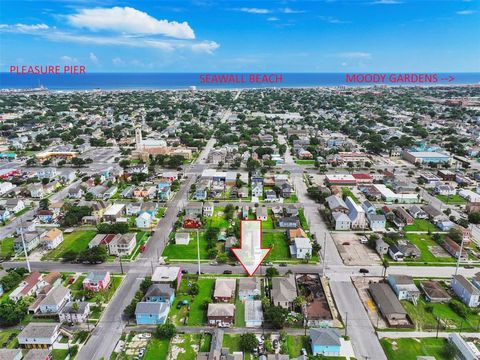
(459, 308)
(165, 331)
(248, 342)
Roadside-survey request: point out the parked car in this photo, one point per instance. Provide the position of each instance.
(364, 271)
(227, 272)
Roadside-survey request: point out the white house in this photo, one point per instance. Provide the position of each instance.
(182, 238)
(465, 290)
(208, 208)
(51, 239)
(341, 221)
(301, 248)
(356, 214)
(5, 187)
(144, 220)
(377, 222)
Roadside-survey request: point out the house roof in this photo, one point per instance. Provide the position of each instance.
(221, 310)
(283, 289)
(434, 290)
(225, 287)
(159, 290)
(52, 234)
(253, 310)
(165, 274)
(55, 296)
(249, 284)
(151, 307)
(386, 299)
(9, 354)
(467, 285)
(50, 278)
(82, 307)
(96, 275)
(325, 337)
(39, 330)
(37, 354)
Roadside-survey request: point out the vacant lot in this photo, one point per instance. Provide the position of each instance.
(425, 243)
(452, 199)
(420, 225)
(188, 252)
(197, 315)
(76, 241)
(409, 349)
(277, 241)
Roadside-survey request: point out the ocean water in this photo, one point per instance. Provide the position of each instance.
(119, 81)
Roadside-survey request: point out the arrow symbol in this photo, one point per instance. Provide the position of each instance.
(251, 254)
(450, 78)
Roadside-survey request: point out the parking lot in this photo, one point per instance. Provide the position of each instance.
(353, 252)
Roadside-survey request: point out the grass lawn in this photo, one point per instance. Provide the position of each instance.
(6, 247)
(452, 199)
(347, 192)
(305, 162)
(218, 219)
(278, 242)
(78, 284)
(420, 225)
(198, 314)
(76, 241)
(291, 199)
(268, 224)
(295, 345)
(184, 252)
(189, 345)
(8, 338)
(157, 349)
(409, 349)
(425, 320)
(59, 354)
(239, 313)
(423, 241)
(114, 285)
(232, 342)
(160, 212)
(303, 220)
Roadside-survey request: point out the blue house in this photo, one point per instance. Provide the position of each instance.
(164, 191)
(201, 193)
(160, 293)
(151, 313)
(325, 342)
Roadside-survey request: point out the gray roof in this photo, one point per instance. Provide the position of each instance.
(37, 354)
(386, 299)
(82, 306)
(55, 296)
(253, 310)
(467, 285)
(9, 354)
(250, 283)
(159, 290)
(221, 310)
(151, 307)
(324, 337)
(335, 202)
(283, 289)
(39, 330)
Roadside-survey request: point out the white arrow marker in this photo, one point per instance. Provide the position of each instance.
(250, 254)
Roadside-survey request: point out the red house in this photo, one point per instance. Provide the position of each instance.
(192, 223)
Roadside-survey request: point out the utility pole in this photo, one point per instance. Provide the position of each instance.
(198, 254)
(438, 326)
(22, 230)
(459, 256)
(121, 264)
(324, 253)
(346, 324)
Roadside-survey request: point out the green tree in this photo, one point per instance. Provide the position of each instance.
(276, 316)
(248, 342)
(194, 289)
(165, 331)
(271, 272)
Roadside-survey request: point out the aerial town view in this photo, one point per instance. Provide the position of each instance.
(228, 216)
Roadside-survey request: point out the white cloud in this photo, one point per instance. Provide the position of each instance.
(254, 10)
(139, 41)
(24, 28)
(466, 12)
(68, 59)
(117, 61)
(291, 11)
(93, 58)
(128, 20)
(332, 20)
(272, 18)
(354, 55)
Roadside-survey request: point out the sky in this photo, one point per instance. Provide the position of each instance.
(243, 36)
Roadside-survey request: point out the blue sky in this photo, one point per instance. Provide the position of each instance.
(269, 36)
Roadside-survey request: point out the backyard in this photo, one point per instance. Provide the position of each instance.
(187, 252)
(420, 225)
(424, 316)
(409, 349)
(232, 342)
(6, 247)
(452, 199)
(157, 349)
(277, 241)
(295, 344)
(426, 245)
(76, 241)
(196, 316)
